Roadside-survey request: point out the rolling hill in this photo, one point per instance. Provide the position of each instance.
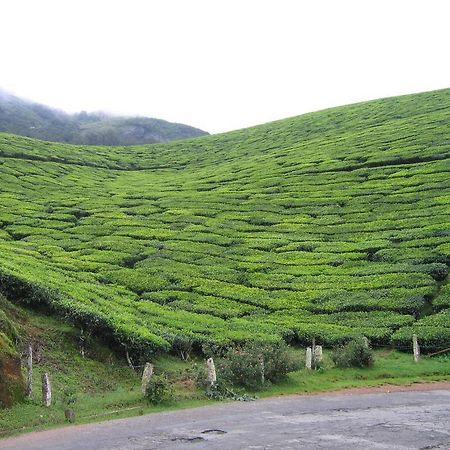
(327, 225)
(25, 118)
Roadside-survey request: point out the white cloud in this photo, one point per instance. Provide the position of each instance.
(221, 65)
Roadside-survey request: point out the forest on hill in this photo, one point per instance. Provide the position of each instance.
(25, 118)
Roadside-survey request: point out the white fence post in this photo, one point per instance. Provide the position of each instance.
(46, 390)
(318, 354)
(262, 366)
(365, 341)
(308, 359)
(146, 377)
(416, 348)
(29, 388)
(212, 378)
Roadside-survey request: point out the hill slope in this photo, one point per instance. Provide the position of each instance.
(25, 118)
(325, 225)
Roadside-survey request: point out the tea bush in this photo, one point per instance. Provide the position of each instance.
(355, 353)
(252, 365)
(328, 225)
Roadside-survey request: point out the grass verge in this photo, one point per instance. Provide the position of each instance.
(100, 386)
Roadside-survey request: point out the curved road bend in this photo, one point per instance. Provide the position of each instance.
(397, 420)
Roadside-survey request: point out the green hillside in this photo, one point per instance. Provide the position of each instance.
(25, 118)
(326, 225)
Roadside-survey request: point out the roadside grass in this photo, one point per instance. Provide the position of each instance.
(97, 387)
(391, 367)
(100, 386)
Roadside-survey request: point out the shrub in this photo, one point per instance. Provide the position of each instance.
(182, 345)
(159, 390)
(431, 338)
(254, 364)
(438, 271)
(353, 354)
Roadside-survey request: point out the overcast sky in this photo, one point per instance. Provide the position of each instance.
(221, 64)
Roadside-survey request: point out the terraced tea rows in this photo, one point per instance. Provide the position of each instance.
(330, 224)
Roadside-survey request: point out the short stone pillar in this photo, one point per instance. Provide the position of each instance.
(365, 341)
(29, 386)
(308, 358)
(46, 390)
(212, 378)
(263, 369)
(318, 354)
(146, 377)
(416, 348)
(69, 415)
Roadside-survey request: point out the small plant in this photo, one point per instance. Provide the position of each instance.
(159, 390)
(220, 391)
(69, 396)
(356, 353)
(198, 374)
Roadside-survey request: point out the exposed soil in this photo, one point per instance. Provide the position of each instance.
(386, 389)
(11, 382)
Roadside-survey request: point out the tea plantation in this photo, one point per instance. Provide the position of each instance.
(327, 225)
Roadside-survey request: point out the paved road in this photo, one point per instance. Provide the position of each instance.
(400, 420)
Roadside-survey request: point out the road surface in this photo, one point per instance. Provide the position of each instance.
(396, 420)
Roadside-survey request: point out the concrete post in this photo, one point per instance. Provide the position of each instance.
(146, 377)
(365, 341)
(308, 359)
(212, 378)
(313, 354)
(416, 348)
(318, 355)
(261, 365)
(46, 390)
(29, 386)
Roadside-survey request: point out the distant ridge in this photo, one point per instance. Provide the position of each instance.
(30, 119)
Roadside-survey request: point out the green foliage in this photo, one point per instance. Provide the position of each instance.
(69, 395)
(252, 365)
(6, 346)
(442, 300)
(183, 346)
(11, 380)
(431, 337)
(8, 327)
(159, 390)
(314, 226)
(221, 391)
(354, 353)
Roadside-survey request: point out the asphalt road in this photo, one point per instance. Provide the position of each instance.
(397, 420)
